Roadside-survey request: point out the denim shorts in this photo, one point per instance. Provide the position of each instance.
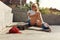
(43, 26)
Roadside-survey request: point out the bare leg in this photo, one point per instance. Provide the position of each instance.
(38, 23)
(32, 22)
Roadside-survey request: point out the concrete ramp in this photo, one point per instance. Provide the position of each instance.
(6, 15)
(4, 7)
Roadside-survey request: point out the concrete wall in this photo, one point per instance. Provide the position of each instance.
(6, 15)
(19, 15)
(52, 19)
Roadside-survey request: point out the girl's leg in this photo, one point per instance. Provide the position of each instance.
(32, 22)
(38, 23)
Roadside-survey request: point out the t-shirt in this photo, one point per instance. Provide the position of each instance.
(31, 13)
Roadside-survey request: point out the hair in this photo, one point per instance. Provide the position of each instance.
(34, 4)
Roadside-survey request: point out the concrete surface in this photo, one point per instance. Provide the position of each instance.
(32, 34)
